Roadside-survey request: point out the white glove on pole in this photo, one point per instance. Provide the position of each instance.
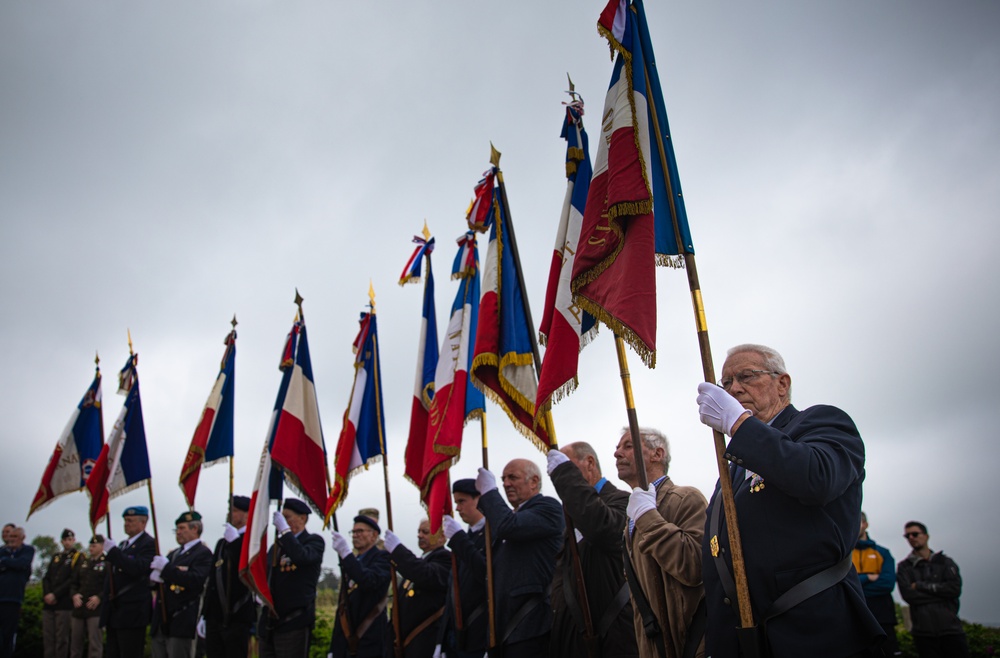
(555, 458)
(200, 628)
(391, 541)
(437, 652)
(451, 526)
(279, 522)
(159, 562)
(485, 481)
(641, 502)
(718, 409)
(340, 544)
(231, 534)
(155, 576)
(109, 543)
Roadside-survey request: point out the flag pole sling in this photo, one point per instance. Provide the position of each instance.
(490, 597)
(735, 544)
(588, 631)
(397, 640)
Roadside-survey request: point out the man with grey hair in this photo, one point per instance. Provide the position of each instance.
(597, 509)
(525, 543)
(797, 479)
(663, 546)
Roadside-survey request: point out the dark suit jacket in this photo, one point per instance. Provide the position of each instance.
(227, 598)
(183, 584)
(293, 582)
(128, 601)
(421, 595)
(601, 519)
(58, 578)
(525, 545)
(803, 521)
(364, 583)
(469, 549)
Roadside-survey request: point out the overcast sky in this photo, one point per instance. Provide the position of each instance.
(166, 165)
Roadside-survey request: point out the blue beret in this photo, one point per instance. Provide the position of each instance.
(241, 503)
(369, 521)
(466, 486)
(136, 510)
(297, 506)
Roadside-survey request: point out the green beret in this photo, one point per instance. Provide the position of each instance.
(188, 517)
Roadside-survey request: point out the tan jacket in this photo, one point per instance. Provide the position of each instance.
(666, 555)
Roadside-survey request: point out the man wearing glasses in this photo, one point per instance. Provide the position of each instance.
(797, 479)
(931, 584)
(361, 628)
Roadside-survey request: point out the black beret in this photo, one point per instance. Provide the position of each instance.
(297, 506)
(188, 517)
(67, 533)
(369, 521)
(241, 503)
(97, 539)
(466, 486)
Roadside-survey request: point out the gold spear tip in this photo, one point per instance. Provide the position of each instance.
(97, 359)
(426, 231)
(371, 295)
(129, 332)
(298, 299)
(572, 87)
(234, 322)
(494, 156)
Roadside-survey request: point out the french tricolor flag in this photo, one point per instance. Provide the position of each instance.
(213, 437)
(362, 436)
(566, 328)
(298, 446)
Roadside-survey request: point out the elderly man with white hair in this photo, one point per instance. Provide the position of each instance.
(797, 479)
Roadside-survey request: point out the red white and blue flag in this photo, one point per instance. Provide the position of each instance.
(362, 437)
(212, 442)
(123, 464)
(480, 212)
(427, 360)
(566, 328)
(77, 450)
(298, 447)
(456, 400)
(503, 363)
(268, 485)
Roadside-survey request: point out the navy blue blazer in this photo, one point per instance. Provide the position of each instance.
(293, 582)
(469, 549)
(421, 596)
(183, 585)
(129, 599)
(804, 520)
(364, 582)
(525, 546)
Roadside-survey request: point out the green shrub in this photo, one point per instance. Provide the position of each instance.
(29, 628)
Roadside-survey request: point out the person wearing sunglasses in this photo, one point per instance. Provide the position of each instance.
(796, 479)
(931, 584)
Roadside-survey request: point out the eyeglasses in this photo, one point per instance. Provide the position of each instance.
(907, 535)
(360, 532)
(744, 377)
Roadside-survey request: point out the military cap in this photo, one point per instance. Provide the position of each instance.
(297, 506)
(97, 539)
(466, 486)
(67, 533)
(369, 521)
(241, 503)
(188, 517)
(136, 510)
(369, 512)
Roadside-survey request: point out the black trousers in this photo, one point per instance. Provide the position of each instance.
(942, 646)
(221, 641)
(9, 614)
(126, 642)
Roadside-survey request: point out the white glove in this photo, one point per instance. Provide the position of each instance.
(554, 459)
(340, 544)
(109, 543)
(155, 576)
(231, 534)
(718, 409)
(485, 481)
(280, 523)
(159, 562)
(391, 541)
(641, 502)
(451, 526)
(200, 628)
(437, 652)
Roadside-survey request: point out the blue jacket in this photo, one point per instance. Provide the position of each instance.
(870, 558)
(525, 546)
(15, 570)
(364, 582)
(805, 519)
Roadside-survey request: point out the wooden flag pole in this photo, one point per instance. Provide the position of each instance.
(633, 419)
(397, 640)
(708, 368)
(490, 595)
(588, 631)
